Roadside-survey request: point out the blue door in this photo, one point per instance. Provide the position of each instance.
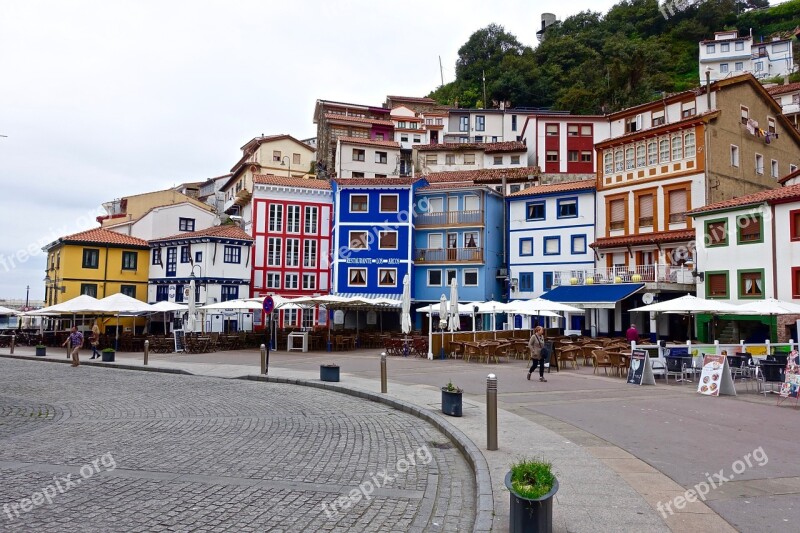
(172, 261)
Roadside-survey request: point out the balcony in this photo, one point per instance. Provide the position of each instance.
(449, 255)
(240, 199)
(449, 219)
(648, 274)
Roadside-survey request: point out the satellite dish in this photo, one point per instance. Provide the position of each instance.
(647, 298)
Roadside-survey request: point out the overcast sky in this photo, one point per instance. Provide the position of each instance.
(103, 99)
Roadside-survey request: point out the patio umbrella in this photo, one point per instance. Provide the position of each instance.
(4, 311)
(770, 307)
(455, 319)
(165, 307)
(689, 305)
(442, 320)
(190, 323)
(406, 305)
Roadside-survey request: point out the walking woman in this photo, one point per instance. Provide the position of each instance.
(539, 352)
(94, 340)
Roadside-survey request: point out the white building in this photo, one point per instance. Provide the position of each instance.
(788, 96)
(166, 220)
(550, 229)
(450, 157)
(729, 54)
(748, 248)
(218, 259)
(367, 158)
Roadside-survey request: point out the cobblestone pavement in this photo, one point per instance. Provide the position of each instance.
(162, 452)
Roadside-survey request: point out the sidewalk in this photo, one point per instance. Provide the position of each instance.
(602, 488)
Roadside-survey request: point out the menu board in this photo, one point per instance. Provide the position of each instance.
(640, 372)
(791, 385)
(179, 340)
(715, 377)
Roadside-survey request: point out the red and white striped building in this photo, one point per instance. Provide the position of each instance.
(292, 232)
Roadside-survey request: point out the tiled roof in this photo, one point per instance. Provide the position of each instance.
(104, 236)
(770, 195)
(224, 232)
(783, 89)
(370, 142)
(358, 182)
(484, 174)
(556, 187)
(507, 146)
(787, 177)
(644, 238)
(252, 144)
(665, 127)
(452, 185)
(365, 120)
(285, 181)
(423, 100)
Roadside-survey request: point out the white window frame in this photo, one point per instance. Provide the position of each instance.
(277, 253)
(271, 277)
(309, 282)
(310, 251)
(359, 195)
(441, 277)
(365, 241)
(380, 271)
(396, 239)
(464, 277)
(759, 168)
(292, 221)
(441, 241)
(734, 156)
(291, 281)
(275, 222)
(350, 277)
(380, 203)
(292, 253)
(308, 228)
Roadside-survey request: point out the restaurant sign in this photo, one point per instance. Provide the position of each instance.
(791, 385)
(640, 372)
(715, 377)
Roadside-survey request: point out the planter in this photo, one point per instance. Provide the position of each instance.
(41, 352)
(108, 357)
(528, 515)
(451, 403)
(329, 372)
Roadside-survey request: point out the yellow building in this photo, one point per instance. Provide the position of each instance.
(97, 262)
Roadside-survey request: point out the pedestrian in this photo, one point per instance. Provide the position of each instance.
(632, 334)
(76, 343)
(539, 352)
(94, 341)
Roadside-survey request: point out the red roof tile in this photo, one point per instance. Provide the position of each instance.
(104, 236)
(423, 100)
(506, 146)
(767, 196)
(659, 129)
(556, 187)
(224, 232)
(370, 142)
(358, 182)
(285, 181)
(364, 120)
(782, 89)
(452, 185)
(483, 175)
(644, 238)
(787, 177)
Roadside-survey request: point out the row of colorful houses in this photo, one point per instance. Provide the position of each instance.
(511, 204)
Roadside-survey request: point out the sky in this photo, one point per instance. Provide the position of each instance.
(101, 100)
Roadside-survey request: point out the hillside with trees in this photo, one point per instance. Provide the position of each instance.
(593, 62)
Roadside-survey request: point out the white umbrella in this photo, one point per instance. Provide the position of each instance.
(120, 303)
(79, 304)
(190, 323)
(406, 305)
(6, 311)
(167, 307)
(537, 305)
(233, 304)
(455, 319)
(690, 304)
(770, 306)
(442, 320)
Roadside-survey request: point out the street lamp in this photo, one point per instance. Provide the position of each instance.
(27, 295)
(283, 163)
(54, 287)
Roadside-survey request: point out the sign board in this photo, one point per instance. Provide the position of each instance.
(180, 344)
(791, 386)
(269, 304)
(372, 318)
(640, 371)
(338, 317)
(171, 293)
(715, 377)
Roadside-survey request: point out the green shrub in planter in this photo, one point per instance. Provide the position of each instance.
(532, 485)
(452, 399)
(108, 355)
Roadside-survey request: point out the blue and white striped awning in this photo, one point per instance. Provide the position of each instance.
(371, 296)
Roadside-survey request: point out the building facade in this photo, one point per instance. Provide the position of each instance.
(292, 230)
(166, 220)
(367, 158)
(450, 157)
(730, 54)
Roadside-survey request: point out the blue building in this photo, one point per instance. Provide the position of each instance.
(372, 243)
(459, 235)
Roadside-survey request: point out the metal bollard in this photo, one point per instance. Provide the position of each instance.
(491, 412)
(146, 351)
(384, 386)
(263, 359)
(69, 349)
(13, 343)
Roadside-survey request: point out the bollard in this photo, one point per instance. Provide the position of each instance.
(491, 412)
(146, 351)
(384, 386)
(13, 343)
(263, 359)
(69, 349)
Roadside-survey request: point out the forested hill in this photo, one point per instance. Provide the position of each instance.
(593, 62)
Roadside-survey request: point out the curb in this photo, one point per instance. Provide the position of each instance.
(100, 364)
(484, 515)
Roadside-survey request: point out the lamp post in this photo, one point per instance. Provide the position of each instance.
(27, 295)
(193, 299)
(54, 288)
(283, 164)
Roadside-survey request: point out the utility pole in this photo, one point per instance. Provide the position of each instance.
(441, 70)
(483, 75)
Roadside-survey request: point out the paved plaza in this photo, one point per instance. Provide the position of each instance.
(163, 452)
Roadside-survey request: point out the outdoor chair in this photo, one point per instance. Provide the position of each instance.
(339, 343)
(676, 367)
(601, 360)
(471, 349)
(569, 354)
(769, 372)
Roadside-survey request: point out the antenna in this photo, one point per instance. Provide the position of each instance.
(441, 70)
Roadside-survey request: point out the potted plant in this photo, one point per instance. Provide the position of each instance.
(532, 485)
(329, 372)
(41, 350)
(108, 355)
(451, 399)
